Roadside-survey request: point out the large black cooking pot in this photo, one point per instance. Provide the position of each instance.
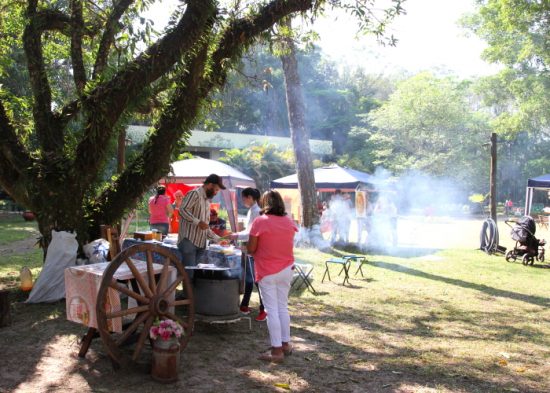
(216, 297)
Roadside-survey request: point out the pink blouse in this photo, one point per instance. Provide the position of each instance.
(157, 211)
(275, 250)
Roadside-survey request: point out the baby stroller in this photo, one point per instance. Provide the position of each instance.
(528, 247)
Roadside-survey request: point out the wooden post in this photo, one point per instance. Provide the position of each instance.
(493, 179)
(5, 314)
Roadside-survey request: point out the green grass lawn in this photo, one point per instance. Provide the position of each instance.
(459, 317)
(14, 229)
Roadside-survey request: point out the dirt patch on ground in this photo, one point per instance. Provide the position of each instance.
(18, 247)
(217, 359)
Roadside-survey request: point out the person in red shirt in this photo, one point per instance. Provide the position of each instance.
(175, 218)
(159, 211)
(271, 242)
(216, 223)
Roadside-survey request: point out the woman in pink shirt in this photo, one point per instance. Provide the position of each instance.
(271, 242)
(160, 209)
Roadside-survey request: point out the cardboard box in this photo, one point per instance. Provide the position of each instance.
(143, 235)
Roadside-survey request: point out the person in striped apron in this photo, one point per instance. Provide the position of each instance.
(195, 215)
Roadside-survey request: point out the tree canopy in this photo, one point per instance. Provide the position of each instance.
(516, 32)
(427, 124)
(87, 74)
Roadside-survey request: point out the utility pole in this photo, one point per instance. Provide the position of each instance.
(493, 178)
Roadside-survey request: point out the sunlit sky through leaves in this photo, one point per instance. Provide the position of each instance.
(429, 38)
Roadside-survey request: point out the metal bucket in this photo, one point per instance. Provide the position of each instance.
(166, 360)
(216, 297)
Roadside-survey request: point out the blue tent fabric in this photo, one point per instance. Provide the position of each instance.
(539, 182)
(333, 176)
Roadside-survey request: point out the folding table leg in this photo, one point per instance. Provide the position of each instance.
(299, 279)
(359, 269)
(346, 274)
(305, 279)
(327, 273)
(361, 261)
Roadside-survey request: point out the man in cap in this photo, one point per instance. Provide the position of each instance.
(195, 216)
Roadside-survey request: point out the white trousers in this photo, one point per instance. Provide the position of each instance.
(274, 291)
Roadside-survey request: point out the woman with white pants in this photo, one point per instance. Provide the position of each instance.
(271, 242)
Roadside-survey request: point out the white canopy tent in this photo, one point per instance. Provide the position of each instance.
(192, 173)
(536, 183)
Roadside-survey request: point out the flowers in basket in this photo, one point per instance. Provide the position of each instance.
(165, 329)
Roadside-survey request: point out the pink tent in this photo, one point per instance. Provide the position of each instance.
(188, 174)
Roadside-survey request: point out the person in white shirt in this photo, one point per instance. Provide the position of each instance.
(250, 197)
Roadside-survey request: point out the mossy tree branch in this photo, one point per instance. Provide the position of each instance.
(180, 114)
(241, 33)
(55, 20)
(77, 24)
(14, 158)
(42, 114)
(108, 101)
(108, 36)
(175, 122)
(194, 56)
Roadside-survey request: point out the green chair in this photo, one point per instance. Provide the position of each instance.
(343, 262)
(361, 260)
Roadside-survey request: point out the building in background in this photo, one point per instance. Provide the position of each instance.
(210, 144)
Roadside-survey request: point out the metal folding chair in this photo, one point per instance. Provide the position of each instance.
(344, 262)
(360, 260)
(302, 272)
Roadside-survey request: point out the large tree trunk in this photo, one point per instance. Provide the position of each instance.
(61, 211)
(300, 141)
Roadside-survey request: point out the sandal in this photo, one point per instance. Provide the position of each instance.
(287, 351)
(269, 357)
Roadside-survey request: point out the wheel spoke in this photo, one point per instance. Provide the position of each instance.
(142, 336)
(121, 288)
(151, 271)
(163, 275)
(182, 302)
(139, 320)
(139, 278)
(128, 311)
(172, 287)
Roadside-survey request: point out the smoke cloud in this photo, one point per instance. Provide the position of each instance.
(413, 210)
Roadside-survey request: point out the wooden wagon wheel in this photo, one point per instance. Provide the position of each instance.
(154, 295)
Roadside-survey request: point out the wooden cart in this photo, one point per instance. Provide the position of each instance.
(151, 295)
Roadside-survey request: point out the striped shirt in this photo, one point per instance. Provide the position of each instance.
(194, 209)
